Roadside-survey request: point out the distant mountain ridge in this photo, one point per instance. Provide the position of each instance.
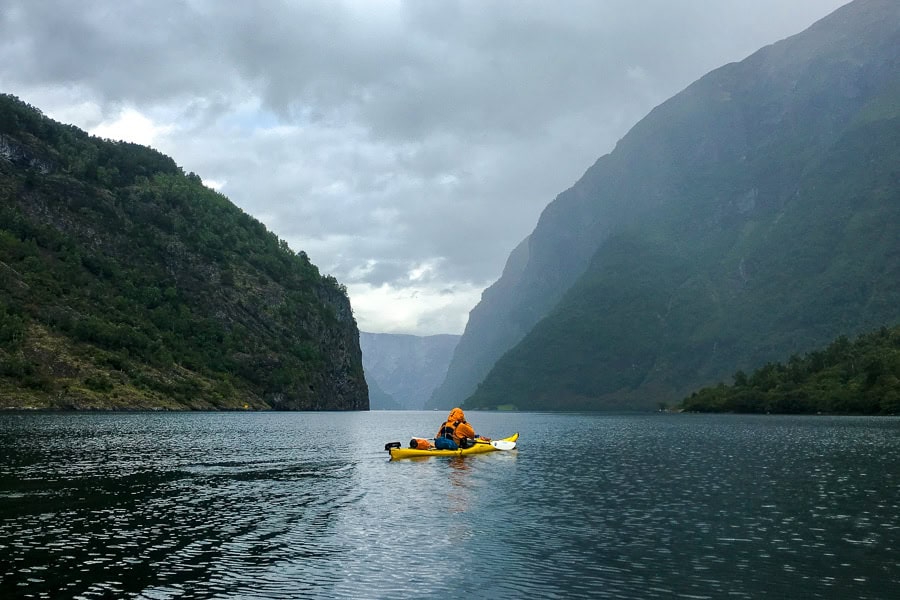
(749, 217)
(126, 284)
(378, 398)
(405, 367)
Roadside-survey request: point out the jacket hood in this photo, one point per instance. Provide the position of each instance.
(456, 415)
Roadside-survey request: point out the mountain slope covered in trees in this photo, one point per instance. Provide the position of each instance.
(858, 377)
(750, 217)
(125, 283)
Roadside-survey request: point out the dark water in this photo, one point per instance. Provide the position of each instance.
(296, 505)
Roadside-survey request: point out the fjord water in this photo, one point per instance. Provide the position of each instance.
(307, 505)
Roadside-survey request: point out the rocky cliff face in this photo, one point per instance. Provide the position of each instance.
(406, 367)
(731, 163)
(126, 284)
(341, 384)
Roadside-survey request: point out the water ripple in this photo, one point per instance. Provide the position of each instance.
(591, 506)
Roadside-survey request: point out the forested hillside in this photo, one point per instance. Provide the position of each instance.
(751, 217)
(125, 283)
(858, 377)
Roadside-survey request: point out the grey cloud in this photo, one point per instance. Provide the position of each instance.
(398, 133)
(134, 52)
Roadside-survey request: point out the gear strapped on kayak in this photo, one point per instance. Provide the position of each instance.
(479, 446)
(455, 437)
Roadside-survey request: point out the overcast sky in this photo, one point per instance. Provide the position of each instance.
(407, 147)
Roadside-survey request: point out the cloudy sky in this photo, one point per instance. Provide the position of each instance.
(406, 146)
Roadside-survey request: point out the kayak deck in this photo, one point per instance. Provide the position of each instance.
(478, 448)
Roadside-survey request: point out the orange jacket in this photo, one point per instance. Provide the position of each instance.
(455, 427)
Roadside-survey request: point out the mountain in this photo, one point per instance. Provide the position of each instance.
(126, 284)
(406, 367)
(751, 216)
(496, 323)
(378, 398)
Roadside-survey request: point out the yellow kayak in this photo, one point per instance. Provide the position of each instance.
(480, 447)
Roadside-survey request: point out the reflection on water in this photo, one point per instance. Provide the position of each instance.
(460, 485)
(294, 505)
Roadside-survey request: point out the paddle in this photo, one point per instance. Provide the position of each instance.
(499, 444)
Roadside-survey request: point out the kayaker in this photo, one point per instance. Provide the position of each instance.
(454, 430)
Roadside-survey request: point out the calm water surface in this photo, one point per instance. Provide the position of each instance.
(306, 505)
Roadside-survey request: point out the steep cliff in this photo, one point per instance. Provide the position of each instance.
(125, 283)
(489, 331)
(751, 216)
